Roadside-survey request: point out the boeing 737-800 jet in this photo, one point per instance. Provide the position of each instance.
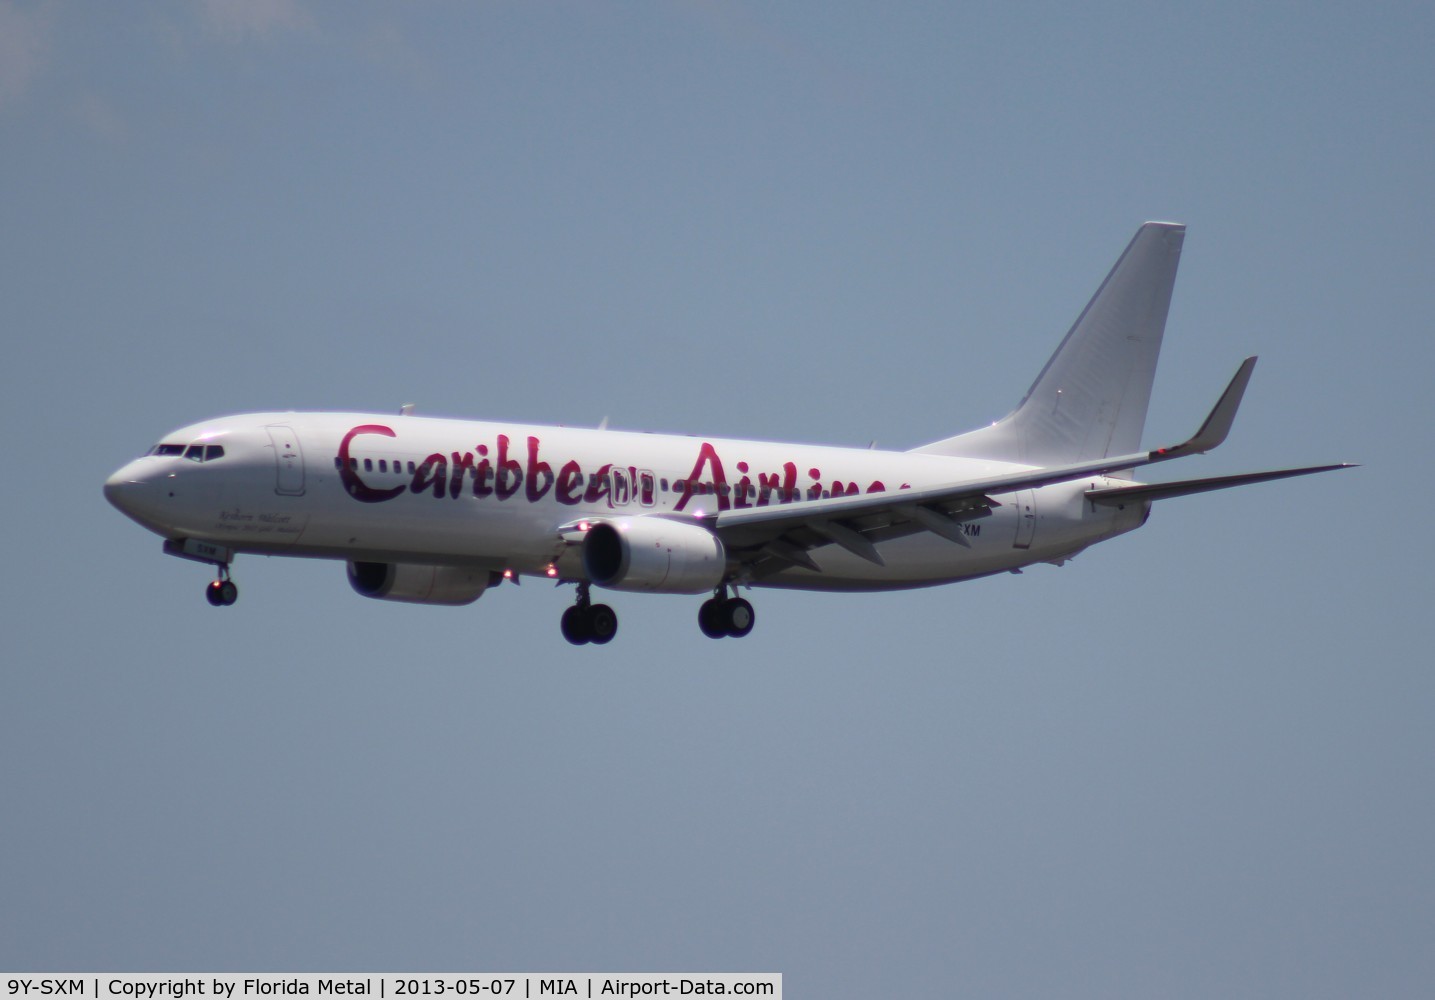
(438, 511)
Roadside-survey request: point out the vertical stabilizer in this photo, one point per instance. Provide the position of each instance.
(1090, 400)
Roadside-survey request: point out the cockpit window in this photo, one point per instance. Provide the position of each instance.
(193, 452)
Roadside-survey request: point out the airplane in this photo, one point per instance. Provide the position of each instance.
(438, 511)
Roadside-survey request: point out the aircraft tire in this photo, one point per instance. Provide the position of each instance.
(602, 624)
(212, 593)
(710, 619)
(574, 625)
(228, 592)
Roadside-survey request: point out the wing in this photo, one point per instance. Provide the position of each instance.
(770, 539)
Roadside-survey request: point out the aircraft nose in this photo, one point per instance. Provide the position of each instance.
(120, 488)
(131, 491)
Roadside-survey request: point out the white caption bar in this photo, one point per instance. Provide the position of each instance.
(388, 985)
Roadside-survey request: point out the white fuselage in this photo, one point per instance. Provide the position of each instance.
(497, 496)
(437, 511)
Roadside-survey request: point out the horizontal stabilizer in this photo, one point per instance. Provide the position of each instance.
(1160, 491)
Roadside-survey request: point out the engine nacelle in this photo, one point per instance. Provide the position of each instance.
(418, 584)
(653, 554)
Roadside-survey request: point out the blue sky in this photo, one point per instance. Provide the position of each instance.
(1195, 761)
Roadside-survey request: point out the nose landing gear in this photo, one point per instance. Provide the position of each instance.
(222, 592)
(586, 622)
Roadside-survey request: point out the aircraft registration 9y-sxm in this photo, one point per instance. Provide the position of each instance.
(437, 511)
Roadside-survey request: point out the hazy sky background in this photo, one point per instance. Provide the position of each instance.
(1197, 761)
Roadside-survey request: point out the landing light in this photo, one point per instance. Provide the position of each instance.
(552, 570)
(508, 574)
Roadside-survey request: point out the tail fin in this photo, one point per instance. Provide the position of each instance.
(1090, 400)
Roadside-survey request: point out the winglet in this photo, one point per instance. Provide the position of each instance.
(1218, 425)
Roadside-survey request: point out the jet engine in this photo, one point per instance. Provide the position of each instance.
(653, 554)
(419, 584)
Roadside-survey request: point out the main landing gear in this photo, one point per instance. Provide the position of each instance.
(587, 622)
(722, 615)
(222, 592)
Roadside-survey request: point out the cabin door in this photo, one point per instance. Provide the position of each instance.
(1025, 519)
(288, 460)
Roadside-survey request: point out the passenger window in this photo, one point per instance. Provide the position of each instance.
(368, 465)
(383, 465)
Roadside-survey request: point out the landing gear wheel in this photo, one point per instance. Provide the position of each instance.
(739, 617)
(602, 623)
(710, 619)
(221, 593)
(720, 616)
(574, 625)
(585, 622)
